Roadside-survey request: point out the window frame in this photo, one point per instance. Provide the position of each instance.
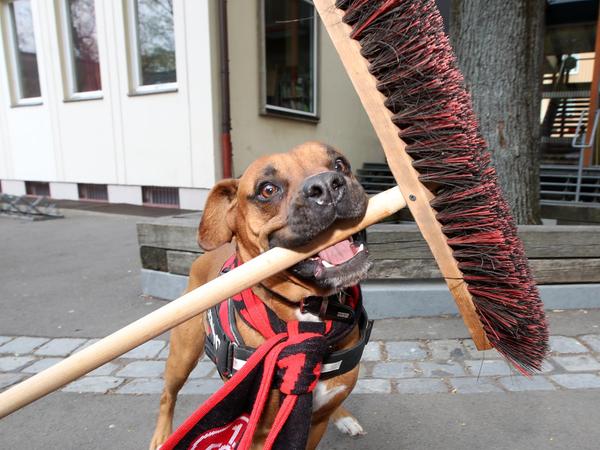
(133, 46)
(68, 57)
(279, 111)
(12, 61)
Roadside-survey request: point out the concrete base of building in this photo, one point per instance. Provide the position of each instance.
(64, 191)
(192, 198)
(189, 198)
(13, 187)
(120, 193)
(389, 299)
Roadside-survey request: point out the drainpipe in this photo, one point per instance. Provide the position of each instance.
(226, 149)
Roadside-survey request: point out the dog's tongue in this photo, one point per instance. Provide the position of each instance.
(338, 253)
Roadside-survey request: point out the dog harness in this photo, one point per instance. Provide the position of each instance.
(294, 357)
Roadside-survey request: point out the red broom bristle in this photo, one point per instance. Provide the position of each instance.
(412, 59)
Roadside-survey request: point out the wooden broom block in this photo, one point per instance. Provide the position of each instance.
(189, 305)
(417, 195)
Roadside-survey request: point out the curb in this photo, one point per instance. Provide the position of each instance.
(399, 299)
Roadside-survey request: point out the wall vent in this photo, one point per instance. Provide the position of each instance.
(167, 197)
(93, 192)
(37, 188)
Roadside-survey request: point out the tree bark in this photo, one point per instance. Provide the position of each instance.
(499, 48)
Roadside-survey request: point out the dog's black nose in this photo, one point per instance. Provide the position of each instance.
(325, 188)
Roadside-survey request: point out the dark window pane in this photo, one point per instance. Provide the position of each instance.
(26, 57)
(289, 48)
(86, 64)
(156, 41)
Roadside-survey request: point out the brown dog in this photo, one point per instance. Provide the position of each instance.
(281, 200)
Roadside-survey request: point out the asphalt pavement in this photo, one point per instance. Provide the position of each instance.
(67, 281)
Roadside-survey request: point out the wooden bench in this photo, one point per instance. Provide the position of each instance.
(558, 254)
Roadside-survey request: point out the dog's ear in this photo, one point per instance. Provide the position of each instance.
(216, 227)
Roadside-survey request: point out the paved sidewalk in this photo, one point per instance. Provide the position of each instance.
(451, 366)
(64, 282)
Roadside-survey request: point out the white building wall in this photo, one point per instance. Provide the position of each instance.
(162, 139)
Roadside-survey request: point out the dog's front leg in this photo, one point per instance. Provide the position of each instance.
(185, 348)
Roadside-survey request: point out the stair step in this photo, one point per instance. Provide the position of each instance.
(567, 94)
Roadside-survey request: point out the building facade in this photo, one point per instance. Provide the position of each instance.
(121, 100)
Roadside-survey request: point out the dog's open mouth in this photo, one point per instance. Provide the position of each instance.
(336, 255)
(341, 265)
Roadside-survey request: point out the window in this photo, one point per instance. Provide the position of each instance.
(80, 49)
(21, 52)
(290, 57)
(152, 45)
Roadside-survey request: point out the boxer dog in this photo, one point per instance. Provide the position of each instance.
(281, 200)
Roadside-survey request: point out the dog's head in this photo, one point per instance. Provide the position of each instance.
(286, 200)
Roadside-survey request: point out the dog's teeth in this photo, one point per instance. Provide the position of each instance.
(326, 264)
(361, 247)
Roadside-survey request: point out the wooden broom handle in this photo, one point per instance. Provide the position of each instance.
(187, 306)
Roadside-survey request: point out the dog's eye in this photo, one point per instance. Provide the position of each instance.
(268, 190)
(341, 165)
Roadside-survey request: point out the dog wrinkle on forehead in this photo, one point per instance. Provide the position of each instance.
(311, 161)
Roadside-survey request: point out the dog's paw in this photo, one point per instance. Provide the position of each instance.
(157, 441)
(349, 425)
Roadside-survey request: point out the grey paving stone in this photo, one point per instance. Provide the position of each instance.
(99, 385)
(448, 369)
(106, 369)
(87, 344)
(143, 369)
(473, 353)
(142, 386)
(564, 344)
(203, 369)
(488, 367)
(580, 363)
(474, 385)
(421, 386)
(577, 380)
(446, 349)
(60, 347)
(372, 352)
(148, 350)
(22, 345)
(8, 379)
(405, 350)
(14, 363)
(520, 383)
(4, 339)
(201, 386)
(394, 370)
(164, 353)
(372, 386)
(41, 364)
(593, 340)
(547, 367)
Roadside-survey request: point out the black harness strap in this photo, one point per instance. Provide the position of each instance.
(229, 355)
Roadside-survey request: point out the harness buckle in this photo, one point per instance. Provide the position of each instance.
(224, 358)
(328, 308)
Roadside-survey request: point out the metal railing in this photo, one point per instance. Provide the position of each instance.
(580, 133)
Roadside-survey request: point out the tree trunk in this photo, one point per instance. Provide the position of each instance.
(499, 47)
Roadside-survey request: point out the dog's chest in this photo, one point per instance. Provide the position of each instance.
(325, 392)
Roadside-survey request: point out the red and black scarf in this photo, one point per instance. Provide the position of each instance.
(290, 360)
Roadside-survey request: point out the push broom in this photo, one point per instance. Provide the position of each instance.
(403, 70)
(402, 67)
